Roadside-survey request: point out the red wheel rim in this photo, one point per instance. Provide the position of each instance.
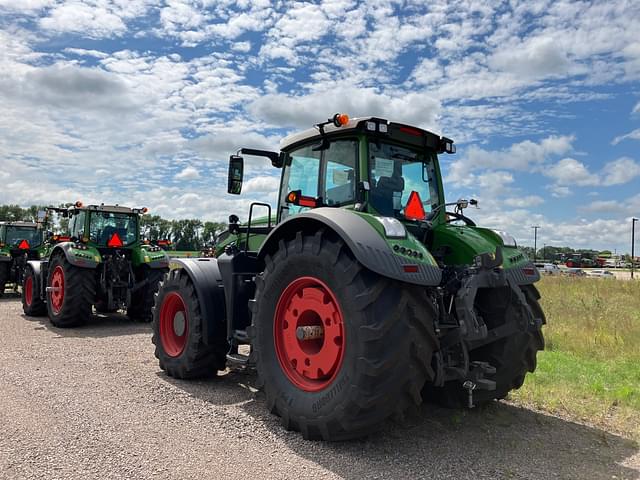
(28, 291)
(174, 325)
(310, 364)
(57, 290)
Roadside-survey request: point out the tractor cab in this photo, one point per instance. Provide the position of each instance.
(19, 237)
(19, 242)
(105, 226)
(370, 165)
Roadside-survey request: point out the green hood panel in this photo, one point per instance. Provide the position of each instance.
(464, 243)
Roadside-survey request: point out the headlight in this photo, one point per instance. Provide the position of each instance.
(507, 239)
(393, 228)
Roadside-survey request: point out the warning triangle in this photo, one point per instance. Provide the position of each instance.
(24, 245)
(114, 241)
(414, 209)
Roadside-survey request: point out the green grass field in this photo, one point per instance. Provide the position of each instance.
(590, 369)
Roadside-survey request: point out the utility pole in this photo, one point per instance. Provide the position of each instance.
(633, 241)
(544, 252)
(535, 241)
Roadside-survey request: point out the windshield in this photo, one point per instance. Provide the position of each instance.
(395, 173)
(15, 235)
(104, 225)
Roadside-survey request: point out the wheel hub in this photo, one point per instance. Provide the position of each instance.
(309, 334)
(179, 324)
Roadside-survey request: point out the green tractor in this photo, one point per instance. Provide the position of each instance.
(362, 294)
(101, 263)
(19, 243)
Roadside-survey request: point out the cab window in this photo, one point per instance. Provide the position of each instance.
(340, 173)
(77, 226)
(329, 174)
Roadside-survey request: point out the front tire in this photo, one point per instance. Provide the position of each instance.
(375, 353)
(32, 304)
(177, 331)
(512, 356)
(72, 293)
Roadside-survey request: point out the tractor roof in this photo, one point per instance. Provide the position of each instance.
(309, 133)
(421, 136)
(109, 208)
(20, 224)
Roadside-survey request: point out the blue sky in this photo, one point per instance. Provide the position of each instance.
(140, 103)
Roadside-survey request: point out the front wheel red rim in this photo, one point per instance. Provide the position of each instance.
(174, 325)
(57, 289)
(308, 307)
(28, 291)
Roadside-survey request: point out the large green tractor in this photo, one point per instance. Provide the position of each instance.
(362, 294)
(19, 243)
(101, 263)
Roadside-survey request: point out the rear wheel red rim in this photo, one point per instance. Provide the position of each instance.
(57, 290)
(174, 325)
(311, 364)
(28, 290)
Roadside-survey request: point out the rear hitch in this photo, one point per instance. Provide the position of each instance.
(476, 380)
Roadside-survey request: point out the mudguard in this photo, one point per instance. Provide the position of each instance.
(36, 266)
(366, 244)
(207, 280)
(77, 258)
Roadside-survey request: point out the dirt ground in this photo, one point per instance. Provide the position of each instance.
(92, 403)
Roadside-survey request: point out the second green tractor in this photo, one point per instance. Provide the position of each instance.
(101, 263)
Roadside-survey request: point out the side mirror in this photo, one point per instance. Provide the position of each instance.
(236, 172)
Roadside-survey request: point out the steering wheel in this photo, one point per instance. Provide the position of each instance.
(451, 216)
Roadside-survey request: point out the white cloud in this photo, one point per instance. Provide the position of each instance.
(570, 171)
(302, 111)
(633, 135)
(636, 109)
(188, 173)
(526, 201)
(522, 156)
(262, 184)
(620, 171)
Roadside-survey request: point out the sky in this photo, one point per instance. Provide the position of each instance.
(141, 103)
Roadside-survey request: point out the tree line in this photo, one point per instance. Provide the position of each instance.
(188, 234)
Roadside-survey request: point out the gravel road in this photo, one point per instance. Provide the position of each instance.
(92, 403)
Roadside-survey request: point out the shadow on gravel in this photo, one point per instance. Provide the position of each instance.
(10, 297)
(98, 326)
(496, 441)
(235, 386)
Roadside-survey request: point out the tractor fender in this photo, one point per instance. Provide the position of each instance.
(366, 244)
(76, 260)
(40, 281)
(207, 280)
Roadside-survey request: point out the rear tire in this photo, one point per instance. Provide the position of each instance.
(4, 276)
(387, 340)
(32, 304)
(512, 356)
(142, 300)
(70, 305)
(177, 331)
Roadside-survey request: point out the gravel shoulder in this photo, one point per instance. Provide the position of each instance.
(92, 403)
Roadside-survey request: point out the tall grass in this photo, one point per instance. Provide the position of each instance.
(592, 317)
(590, 369)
